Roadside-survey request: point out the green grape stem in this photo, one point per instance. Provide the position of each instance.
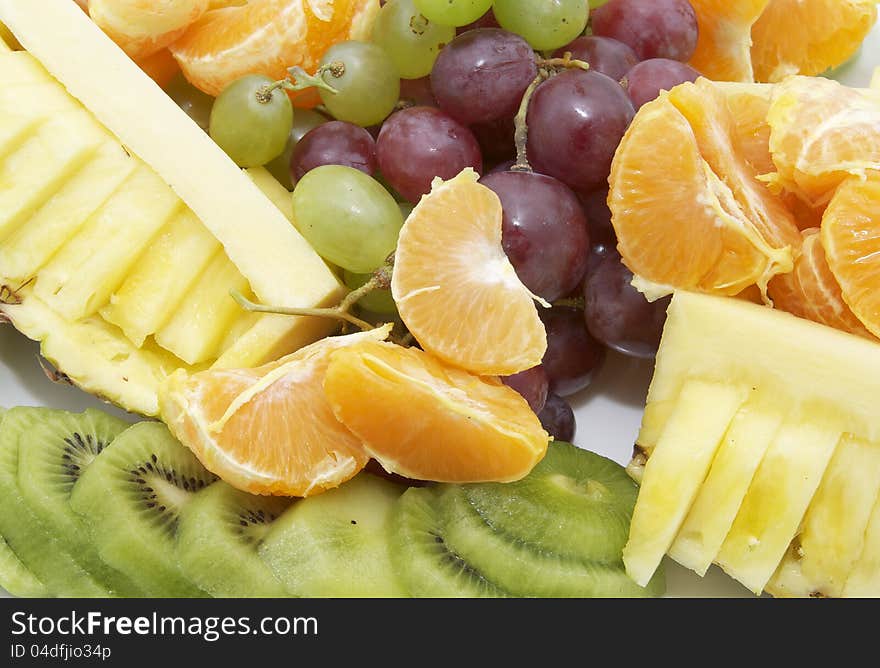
(547, 69)
(303, 80)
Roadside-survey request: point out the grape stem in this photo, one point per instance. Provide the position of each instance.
(303, 80)
(547, 69)
(571, 302)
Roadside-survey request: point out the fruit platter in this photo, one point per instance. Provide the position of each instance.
(439, 298)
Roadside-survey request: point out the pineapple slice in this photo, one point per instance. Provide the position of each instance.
(14, 129)
(833, 535)
(163, 276)
(722, 494)
(812, 394)
(864, 580)
(85, 272)
(676, 470)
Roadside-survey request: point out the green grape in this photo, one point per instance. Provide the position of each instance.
(249, 123)
(410, 40)
(303, 121)
(194, 102)
(366, 81)
(597, 3)
(377, 301)
(347, 217)
(454, 13)
(545, 25)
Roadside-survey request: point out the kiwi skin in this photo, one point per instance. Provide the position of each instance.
(52, 456)
(131, 497)
(218, 538)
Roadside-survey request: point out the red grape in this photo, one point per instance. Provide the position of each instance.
(334, 143)
(573, 355)
(557, 418)
(532, 384)
(604, 55)
(644, 82)
(618, 315)
(653, 28)
(481, 75)
(575, 121)
(417, 92)
(418, 144)
(544, 231)
(496, 139)
(598, 214)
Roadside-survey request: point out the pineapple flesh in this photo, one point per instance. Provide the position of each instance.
(121, 235)
(787, 499)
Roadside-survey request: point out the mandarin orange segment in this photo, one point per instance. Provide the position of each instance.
(427, 420)
(822, 132)
(160, 67)
(268, 430)
(143, 27)
(748, 104)
(812, 292)
(267, 37)
(851, 238)
(679, 223)
(808, 36)
(725, 37)
(455, 289)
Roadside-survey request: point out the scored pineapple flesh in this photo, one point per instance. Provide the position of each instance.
(676, 470)
(792, 480)
(162, 277)
(721, 495)
(831, 540)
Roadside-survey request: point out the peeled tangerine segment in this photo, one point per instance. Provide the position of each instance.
(721, 495)
(675, 471)
(821, 133)
(449, 260)
(269, 430)
(425, 419)
(725, 35)
(832, 537)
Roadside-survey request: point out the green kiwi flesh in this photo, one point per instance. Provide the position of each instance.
(132, 496)
(218, 540)
(53, 454)
(335, 545)
(574, 502)
(34, 545)
(426, 565)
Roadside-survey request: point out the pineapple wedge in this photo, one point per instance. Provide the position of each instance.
(117, 207)
(791, 483)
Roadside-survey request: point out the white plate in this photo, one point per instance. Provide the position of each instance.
(608, 413)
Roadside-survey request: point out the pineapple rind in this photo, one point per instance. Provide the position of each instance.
(675, 471)
(821, 558)
(778, 498)
(864, 580)
(719, 499)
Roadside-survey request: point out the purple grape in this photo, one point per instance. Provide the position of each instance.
(532, 384)
(544, 231)
(605, 55)
(573, 355)
(418, 144)
(598, 252)
(417, 92)
(618, 315)
(557, 418)
(644, 82)
(652, 28)
(598, 214)
(481, 75)
(576, 120)
(334, 143)
(496, 139)
(502, 167)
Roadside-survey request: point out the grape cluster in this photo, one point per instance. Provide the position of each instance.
(533, 94)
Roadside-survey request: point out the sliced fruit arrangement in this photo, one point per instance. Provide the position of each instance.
(124, 510)
(115, 251)
(755, 460)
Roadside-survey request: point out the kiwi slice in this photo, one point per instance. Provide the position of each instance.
(34, 545)
(52, 456)
(424, 562)
(335, 545)
(574, 503)
(218, 538)
(132, 496)
(530, 569)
